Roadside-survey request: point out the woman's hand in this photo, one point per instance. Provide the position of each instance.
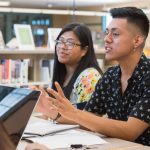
(44, 105)
(36, 146)
(61, 103)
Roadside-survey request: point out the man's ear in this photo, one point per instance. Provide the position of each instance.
(138, 41)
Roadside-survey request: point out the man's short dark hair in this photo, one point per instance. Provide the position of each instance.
(133, 15)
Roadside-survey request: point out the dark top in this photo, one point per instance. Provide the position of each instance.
(134, 102)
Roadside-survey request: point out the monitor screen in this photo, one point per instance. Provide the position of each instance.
(13, 98)
(16, 107)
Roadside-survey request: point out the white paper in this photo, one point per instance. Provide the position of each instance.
(46, 127)
(66, 138)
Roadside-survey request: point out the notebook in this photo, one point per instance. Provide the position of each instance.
(39, 127)
(16, 106)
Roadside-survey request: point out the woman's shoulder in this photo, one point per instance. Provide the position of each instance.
(89, 71)
(88, 74)
(85, 84)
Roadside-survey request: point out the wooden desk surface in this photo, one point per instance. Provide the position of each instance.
(113, 144)
(118, 144)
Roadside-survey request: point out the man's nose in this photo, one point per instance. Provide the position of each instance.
(108, 38)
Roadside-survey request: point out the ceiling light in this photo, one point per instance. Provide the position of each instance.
(59, 12)
(5, 9)
(53, 11)
(26, 10)
(4, 3)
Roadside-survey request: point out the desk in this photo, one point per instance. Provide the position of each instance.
(113, 144)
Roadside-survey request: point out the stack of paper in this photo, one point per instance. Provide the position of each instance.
(67, 138)
(59, 135)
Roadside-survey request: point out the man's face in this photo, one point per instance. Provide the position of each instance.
(119, 39)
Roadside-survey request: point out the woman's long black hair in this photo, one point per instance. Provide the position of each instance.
(83, 33)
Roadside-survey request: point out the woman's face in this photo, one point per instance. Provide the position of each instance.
(68, 49)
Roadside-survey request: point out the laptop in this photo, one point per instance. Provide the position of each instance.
(16, 106)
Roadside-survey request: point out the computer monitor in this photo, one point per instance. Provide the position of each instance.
(16, 106)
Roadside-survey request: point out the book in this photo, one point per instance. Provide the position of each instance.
(45, 127)
(45, 70)
(24, 36)
(52, 35)
(2, 43)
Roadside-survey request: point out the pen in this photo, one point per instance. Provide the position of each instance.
(27, 140)
(76, 146)
(34, 134)
(80, 146)
(31, 136)
(50, 134)
(55, 132)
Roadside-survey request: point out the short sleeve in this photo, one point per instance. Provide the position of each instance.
(85, 85)
(142, 109)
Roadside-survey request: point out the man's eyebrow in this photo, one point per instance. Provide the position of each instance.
(112, 29)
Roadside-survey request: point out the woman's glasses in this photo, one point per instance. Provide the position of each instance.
(69, 44)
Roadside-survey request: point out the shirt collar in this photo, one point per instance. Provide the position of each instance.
(141, 68)
(139, 71)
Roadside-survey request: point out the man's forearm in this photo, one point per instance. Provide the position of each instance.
(106, 126)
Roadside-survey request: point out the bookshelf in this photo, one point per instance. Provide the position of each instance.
(41, 53)
(35, 55)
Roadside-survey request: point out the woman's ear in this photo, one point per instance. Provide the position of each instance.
(84, 51)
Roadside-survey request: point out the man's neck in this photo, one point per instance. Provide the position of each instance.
(128, 64)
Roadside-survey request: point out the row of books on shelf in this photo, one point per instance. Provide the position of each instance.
(19, 71)
(14, 71)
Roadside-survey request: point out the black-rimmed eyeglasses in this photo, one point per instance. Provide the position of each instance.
(70, 45)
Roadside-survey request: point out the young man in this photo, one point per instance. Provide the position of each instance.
(124, 91)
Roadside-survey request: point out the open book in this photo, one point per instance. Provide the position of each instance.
(44, 127)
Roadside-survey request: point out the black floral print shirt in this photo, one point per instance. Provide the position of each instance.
(134, 102)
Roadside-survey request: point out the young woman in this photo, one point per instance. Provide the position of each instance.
(75, 66)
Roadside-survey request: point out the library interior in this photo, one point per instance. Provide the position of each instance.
(44, 17)
(28, 30)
